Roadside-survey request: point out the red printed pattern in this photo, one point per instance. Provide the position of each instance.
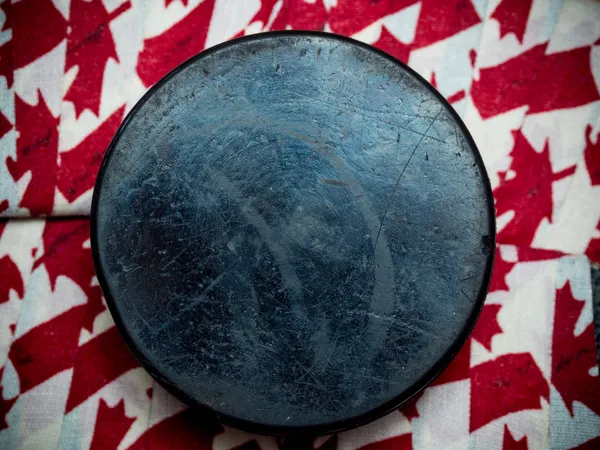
(543, 81)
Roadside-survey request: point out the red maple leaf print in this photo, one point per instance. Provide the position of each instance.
(524, 254)
(183, 2)
(510, 443)
(487, 326)
(538, 254)
(295, 14)
(472, 57)
(264, 13)
(409, 409)
(98, 362)
(593, 249)
(512, 17)
(528, 194)
(402, 442)
(6, 50)
(301, 15)
(10, 279)
(47, 349)
(389, 44)
(351, 16)
(544, 82)
(6, 63)
(3, 206)
(504, 385)
(89, 47)
(38, 27)
(573, 356)
(65, 255)
(79, 166)
(5, 125)
(592, 156)
(458, 369)
(6, 8)
(37, 150)
(501, 269)
(592, 444)
(456, 97)
(183, 40)
(5, 405)
(111, 425)
(440, 20)
(183, 430)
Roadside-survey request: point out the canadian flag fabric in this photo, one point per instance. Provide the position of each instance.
(523, 74)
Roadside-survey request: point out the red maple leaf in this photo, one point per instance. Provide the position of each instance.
(510, 443)
(388, 43)
(166, 51)
(457, 96)
(3, 206)
(501, 269)
(6, 61)
(11, 279)
(295, 14)
(98, 362)
(409, 409)
(183, 430)
(89, 46)
(504, 385)
(472, 57)
(6, 50)
(487, 326)
(592, 444)
(79, 166)
(528, 194)
(593, 249)
(111, 425)
(350, 16)
(5, 405)
(544, 82)
(168, 2)
(37, 150)
(573, 356)
(524, 254)
(47, 349)
(512, 16)
(264, 13)
(592, 156)
(458, 369)
(7, 10)
(5, 125)
(433, 80)
(65, 255)
(402, 442)
(300, 15)
(440, 20)
(38, 27)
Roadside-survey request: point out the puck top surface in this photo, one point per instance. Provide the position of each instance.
(294, 231)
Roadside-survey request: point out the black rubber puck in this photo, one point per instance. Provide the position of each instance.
(293, 231)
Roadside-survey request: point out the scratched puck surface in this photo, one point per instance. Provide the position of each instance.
(293, 231)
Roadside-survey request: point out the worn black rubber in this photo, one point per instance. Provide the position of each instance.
(293, 231)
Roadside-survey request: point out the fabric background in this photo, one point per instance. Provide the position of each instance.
(523, 74)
